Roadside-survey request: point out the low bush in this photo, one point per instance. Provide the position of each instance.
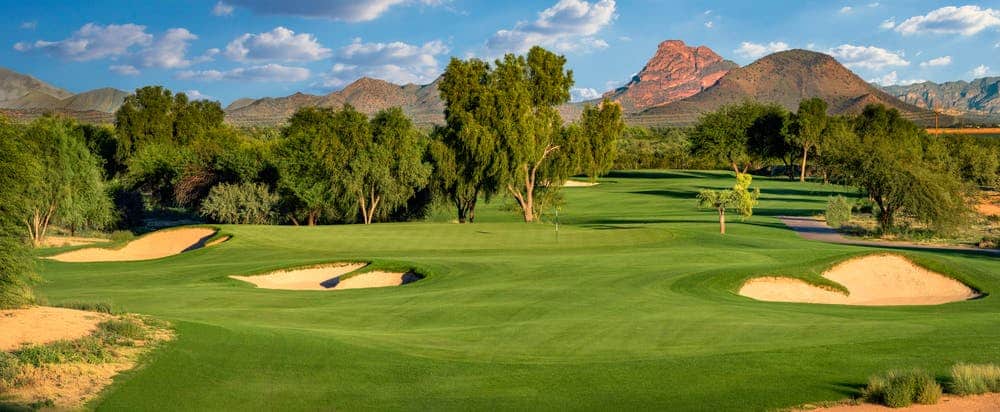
(838, 211)
(971, 379)
(902, 388)
(101, 307)
(121, 236)
(246, 203)
(126, 328)
(86, 350)
(10, 368)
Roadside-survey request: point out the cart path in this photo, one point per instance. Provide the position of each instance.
(814, 229)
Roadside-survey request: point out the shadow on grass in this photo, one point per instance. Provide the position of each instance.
(654, 174)
(673, 194)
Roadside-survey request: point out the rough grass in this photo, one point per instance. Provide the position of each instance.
(122, 328)
(970, 379)
(630, 306)
(101, 307)
(901, 388)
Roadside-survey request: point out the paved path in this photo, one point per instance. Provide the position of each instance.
(814, 229)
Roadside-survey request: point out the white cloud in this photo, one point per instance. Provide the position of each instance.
(92, 41)
(940, 61)
(29, 25)
(846, 9)
(339, 10)
(395, 62)
(867, 57)
(167, 52)
(568, 26)
(222, 9)
(892, 78)
(124, 69)
(197, 95)
(579, 94)
(888, 24)
(280, 44)
(874, 5)
(965, 20)
(981, 70)
(997, 46)
(750, 50)
(709, 24)
(265, 73)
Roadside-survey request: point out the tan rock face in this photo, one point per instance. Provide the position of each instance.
(675, 72)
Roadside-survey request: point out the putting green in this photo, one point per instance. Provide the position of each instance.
(631, 304)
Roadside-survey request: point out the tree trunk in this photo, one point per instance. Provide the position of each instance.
(805, 156)
(460, 206)
(722, 221)
(311, 220)
(736, 168)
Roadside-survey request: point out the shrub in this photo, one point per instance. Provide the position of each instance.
(121, 236)
(102, 307)
(122, 328)
(838, 211)
(246, 203)
(10, 368)
(969, 379)
(87, 350)
(902, 388)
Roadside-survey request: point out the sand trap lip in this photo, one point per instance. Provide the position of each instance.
(872, 280)
(328, 277)
(155, 245)
(42, 324)
(577, 183)
(61, 241)
(948, 403)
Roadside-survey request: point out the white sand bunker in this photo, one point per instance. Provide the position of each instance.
(155, 245)
(41, 324)
(577, 183)
(873, 280)
(328, 277)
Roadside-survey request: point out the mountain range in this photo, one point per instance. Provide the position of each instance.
(674, 88)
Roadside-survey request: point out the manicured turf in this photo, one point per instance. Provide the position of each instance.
(630, 306)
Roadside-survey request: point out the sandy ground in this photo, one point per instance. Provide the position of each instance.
(42, 324)
(327, 277)
(577, 183)
(61, 241)
(68, 385)
(873, 280)
(979, 403)
(990, 205)
(152, 246)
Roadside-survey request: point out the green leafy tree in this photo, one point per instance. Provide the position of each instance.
(724, 135)
(245, 203)
(154, 115)
(740, 199)
(308, 158)
(601, 128)
(806, 128)
(19, 173)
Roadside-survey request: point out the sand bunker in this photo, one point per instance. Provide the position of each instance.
(989, 402)
(152, 246)
(42, 324)
(61, 241)
(874, 280)
(327, 277)
(577, 183)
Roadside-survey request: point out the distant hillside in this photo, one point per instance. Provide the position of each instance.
(784, 78)
(675, 72)
(980, 97)
(106, 100)
(14, 85)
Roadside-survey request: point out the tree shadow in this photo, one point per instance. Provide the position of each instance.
(651, 174)
(799, 192)
(673, 194)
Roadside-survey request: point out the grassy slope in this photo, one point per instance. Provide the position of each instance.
(632, 307)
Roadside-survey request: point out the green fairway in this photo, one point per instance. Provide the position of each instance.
(630, 305)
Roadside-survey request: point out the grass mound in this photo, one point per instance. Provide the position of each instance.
(901, 388)
(971, 379)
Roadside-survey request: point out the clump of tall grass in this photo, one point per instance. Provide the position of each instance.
(972, 379)
(901, 388)
(10, 369)
(87, 350)
(102, 307)
(124, 328)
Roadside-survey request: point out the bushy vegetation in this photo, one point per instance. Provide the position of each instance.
(101, 307)
(245, 203)
(902, 388)
(838, 211)
(125, 328)
(86, 350)
(972, 379)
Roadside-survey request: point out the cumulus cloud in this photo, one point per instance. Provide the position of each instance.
(965, 20)
(265, 73)
(866, 57)
(568, 26)
(124, 69)
(940, 61)
(280, 44)
(339, 10)
(29, 25)
(580, 94)
(222, 9)
(750, 50)
(981, 70)
(92, 41)
(395, 62)
(709, 24)
(846, 10)
(888, 24)
(197, 95)
(892, 78)
(168, 51)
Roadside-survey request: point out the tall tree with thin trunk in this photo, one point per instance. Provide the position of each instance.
(308, 159)
(806, 129)
(739, 199)
(601, 127)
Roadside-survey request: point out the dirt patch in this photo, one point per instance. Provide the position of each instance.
(328, 277)
(874, 280)
(979, 403)
(152, 246)
(989, 205)
(577, 183)
(63, 241)
(41, 324)
(67, 385)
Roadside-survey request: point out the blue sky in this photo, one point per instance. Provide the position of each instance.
(256, 48)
